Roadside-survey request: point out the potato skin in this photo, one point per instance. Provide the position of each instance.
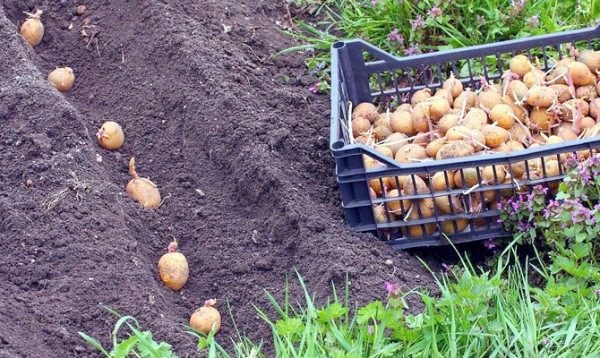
(173, 270)
(145, 192)
(204, 318)
(455, 149)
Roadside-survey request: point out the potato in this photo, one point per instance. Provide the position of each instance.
(32, 29)
(110, 135)
(520, 65)
(558, 74)
(401, 121)
(448, 206)
(587, 122)
(540, 119)
(62, 78)
(361, 139)
(553, 139)
(593, 132)
(446, 122)
(515, 146)
(503, 115)
(427, 207)
(448, 226)
(383, 120)
(435, 145)
(534, 77)
(467, 99)
(377, 185)
(381, 216)
(372, 193)
(475, 118)
(467, 176)
(493, 174)
(562, 92)
(455, 149)
(404, 107)
(395, 141)
(552, 169)
(206, 318)
(518, 111)
(365, 110)
(386, 151)
(581, 74)
(488, 99)
(566, 133)
(453, 85)
(421, 117)
(397, 206)
(421, 139)
(591, 59)
(419, 230)
(517, 90)
(541, 96)
(360, 126)
(586, 92)
(381, 133)
(567, 109)
(173, 268)
(417, 187)
(420, 96)
(457, 133)
(393, 182)
(371, 162)
(438, 108)
(439, 183)
(446, 94)
(494, 135)
(410, 153)
(519, 134)
(595, 109)
(143, 190)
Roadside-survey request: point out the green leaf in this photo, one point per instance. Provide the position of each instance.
(123, 349)
(289, 327)
(94, 343)
(373, 310)
(581, 250)
(331, 312)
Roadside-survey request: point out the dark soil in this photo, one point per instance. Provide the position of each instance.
(205, 109)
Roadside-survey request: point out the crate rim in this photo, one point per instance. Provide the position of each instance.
(337, 146)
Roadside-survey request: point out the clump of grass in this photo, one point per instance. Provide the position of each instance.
(407, 27)
(136, 343)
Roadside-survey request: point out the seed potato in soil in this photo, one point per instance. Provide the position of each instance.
(239, 153)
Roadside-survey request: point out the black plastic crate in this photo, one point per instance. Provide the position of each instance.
(361, 72)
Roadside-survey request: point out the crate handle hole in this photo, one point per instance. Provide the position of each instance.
(338, 44)
(338, 145)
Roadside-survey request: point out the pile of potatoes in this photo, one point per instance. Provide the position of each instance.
(528, 108)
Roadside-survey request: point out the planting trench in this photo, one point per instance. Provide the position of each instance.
(205, 111)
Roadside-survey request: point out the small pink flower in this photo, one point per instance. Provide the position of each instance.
(435, 12)
(598, 291)
(393, 289)
(314, 88)
(489, 244)
(418, 22)
(533, 21)
(394, 36)
(374, 2)
(370, 330)
(413, 50)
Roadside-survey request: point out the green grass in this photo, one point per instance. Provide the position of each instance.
(495, 313)
(492, 313)
(459, 24)
(136, 343)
